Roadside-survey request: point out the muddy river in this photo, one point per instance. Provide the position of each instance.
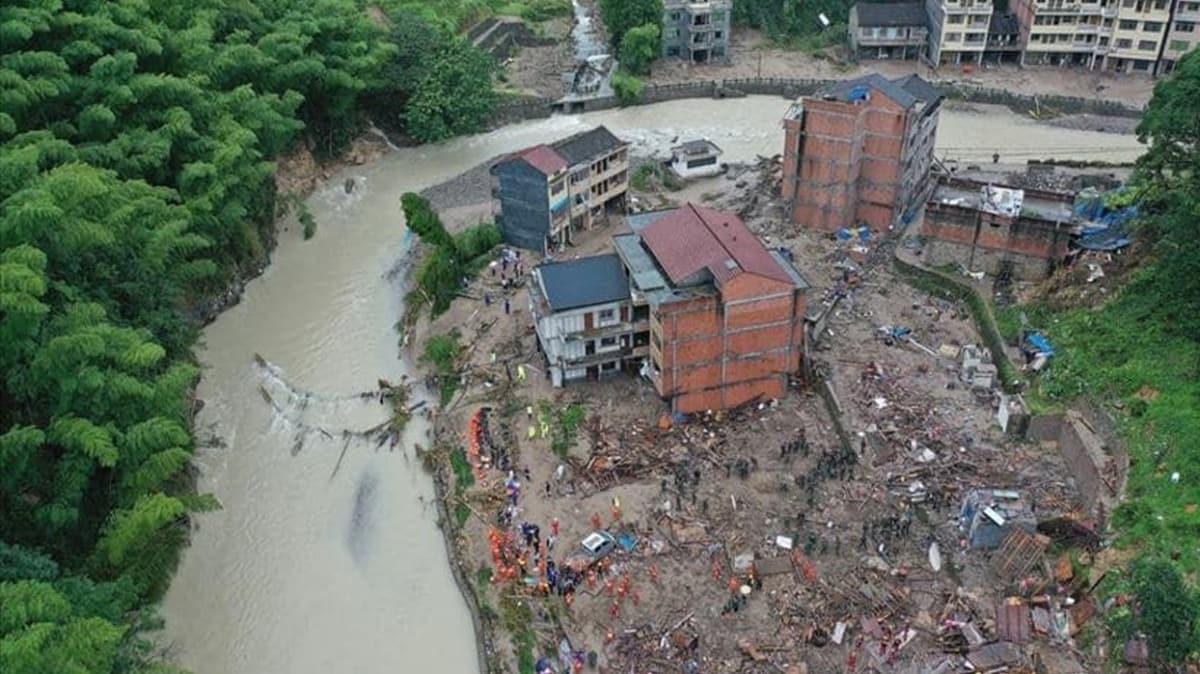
(315, 566)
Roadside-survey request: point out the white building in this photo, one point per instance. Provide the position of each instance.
(696, 159)
(583, 316)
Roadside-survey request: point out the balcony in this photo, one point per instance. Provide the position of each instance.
(597, 357)
(619, 328)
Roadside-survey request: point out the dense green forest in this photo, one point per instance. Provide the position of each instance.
(136, 139)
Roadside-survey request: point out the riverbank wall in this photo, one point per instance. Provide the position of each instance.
(791, 88)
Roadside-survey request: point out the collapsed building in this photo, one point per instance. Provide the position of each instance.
(696, 304)
(859, 153)
(550, 192)
(997, 229)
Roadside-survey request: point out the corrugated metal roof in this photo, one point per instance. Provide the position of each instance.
(583, 282)
(692, 241)
(642, 270)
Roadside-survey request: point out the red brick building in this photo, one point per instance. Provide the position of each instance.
(997, 229)
(859, 152)
(726, 315)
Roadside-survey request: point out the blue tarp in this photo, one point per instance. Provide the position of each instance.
(627, 542)
(1036, 342)
(1106, 228)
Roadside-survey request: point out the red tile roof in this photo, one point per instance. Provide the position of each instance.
(544, 159)
(694, 238)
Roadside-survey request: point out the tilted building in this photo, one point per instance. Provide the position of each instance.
(706, 312)
(549, 192)
(859, 152)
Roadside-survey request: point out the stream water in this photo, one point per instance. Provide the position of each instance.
(586, 38)
(307, 571)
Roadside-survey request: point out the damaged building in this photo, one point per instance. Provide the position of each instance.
(701, 308)
(549, 192)
(997, 229)
(859, 153)
(697, 30)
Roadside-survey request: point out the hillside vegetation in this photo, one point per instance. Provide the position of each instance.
(136, 140)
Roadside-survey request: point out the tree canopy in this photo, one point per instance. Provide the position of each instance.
(136, 180)
(622, 16)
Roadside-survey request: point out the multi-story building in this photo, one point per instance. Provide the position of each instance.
(696, 304)
(859, 152)
(549, 192)
(891, 30)
(1003, 39)
(697, 30)
(1141, 27)
(958, 30)
(1064, 32)
(1182, 35)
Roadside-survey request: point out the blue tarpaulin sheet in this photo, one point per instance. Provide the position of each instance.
(1106, 229)
(1036, 342)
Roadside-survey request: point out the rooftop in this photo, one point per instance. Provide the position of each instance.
(693, 243)
(1003, 200)
(584, 146)
(697, 148)
(582, 282)
(907, 91)
(543, 159)
(884, 14)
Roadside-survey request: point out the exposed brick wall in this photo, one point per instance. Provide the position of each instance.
(721, 351)
(982, 240)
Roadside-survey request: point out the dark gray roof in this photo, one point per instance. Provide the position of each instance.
(583, 146)
(1004, 24)
(890, 13)
(583, 282)
(924, 91)
(906, 91)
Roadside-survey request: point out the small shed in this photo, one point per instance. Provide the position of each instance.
(988, 515)
(696, 159)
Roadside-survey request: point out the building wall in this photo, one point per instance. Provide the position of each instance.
(680, 33)
(985, 241)
(559, 335)
(717, 352)
(1182, 35)
(957, 30)
(524, 207)
(846, 163)
(891, 42)
(597, 185)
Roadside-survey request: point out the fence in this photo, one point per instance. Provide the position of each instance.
(538, 108)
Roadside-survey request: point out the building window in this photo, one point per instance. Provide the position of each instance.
(672, 51)
(1179, 45)
(608, 367)
(1160, 5)
(1141, 65)
(1147, 45)
(954, 18)
(605, 315)
(1185, 26)
(697, 163)
(557, 186)
(953, 37)
(1126, 24)
(1124, 44)
(608, 341)
(674, 16)
(1103, 42)
(717, 35)
(1152, 26)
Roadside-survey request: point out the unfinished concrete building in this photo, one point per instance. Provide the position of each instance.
(859, 153)
(726, 316)
(996, 229)
(697, 30)
(891, 30)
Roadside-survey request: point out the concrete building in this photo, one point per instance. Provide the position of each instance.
(892, 30)
(958, 30)
(996, 229)
(696, 159)
(1065, 32)
(859, 153)
(1003, 39)
(1141, 27)
(726, 315)
(549, 192)
(697, 30)
(691, 300)
(1182, 35)
(584, 319)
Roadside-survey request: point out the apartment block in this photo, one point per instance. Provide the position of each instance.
(691, 300)
(859, 152)
(549, 192)
(697, 30)
(1140, 28)
(1183, 34)
(958, 30)
(892, 30)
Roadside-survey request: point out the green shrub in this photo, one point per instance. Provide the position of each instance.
(627, 88)
(441, 354)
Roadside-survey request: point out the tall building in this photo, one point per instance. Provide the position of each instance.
(549, 192)
(697, 30)
(696, 304)
(859, 152)
(1182, 35)
(958, 30)
(1141, 27)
